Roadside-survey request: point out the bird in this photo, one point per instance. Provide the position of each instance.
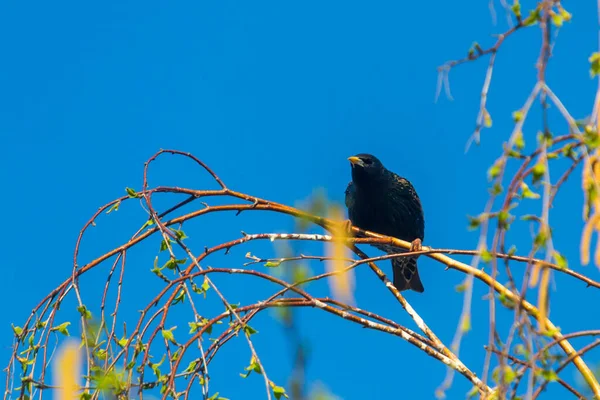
(378, 200)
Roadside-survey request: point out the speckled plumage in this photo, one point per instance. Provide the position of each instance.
(379, 200)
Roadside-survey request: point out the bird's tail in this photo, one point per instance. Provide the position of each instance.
(406, 274)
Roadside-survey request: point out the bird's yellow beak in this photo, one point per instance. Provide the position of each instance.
(356, 161)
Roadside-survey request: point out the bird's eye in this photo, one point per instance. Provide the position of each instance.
(368, 161)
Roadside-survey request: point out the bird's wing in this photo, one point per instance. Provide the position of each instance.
(409, 210)
(405, 184)
(349, 195)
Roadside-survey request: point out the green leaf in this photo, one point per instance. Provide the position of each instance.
(590, 137)
(114, 207)
(202, 289)
(111, 380)
(561, 261)
(234, 306)
(592, 194)
(518, 116)
(172, 263)
(473, 392)
(460, 288)
(180, 297)
(272, 264)
(512, 153)
(486, 256)
(62, 328)
(564, 13)
(205, 284)
(101, 354)
(158, 270)
(249, 330)
(516, 9)
(594, 64)
(471, 52)
(474, 222)
(191, 367)
(545, 138)
(538, 172)
(176, 355)
(487, 119)
(549, 375)
(522, 351)
(196, 289)
(123, 341)
(527, 193)
(533, 18)
(131, 193)
(512, 251)
(17, 330)
(557, 20)
(519, 140)
(496, 189)
(278, 391)
(551, 332)
(194, 326)
(155, 367)
(84, 312)
(508, 372)
(180, 234)
(568, 151)
(541, 238)
(506, 302)
(164, 245)
(254, 366)
(530, 217)
(495, 169)
(139, 347)
(465, 323)
(168, 335)
(25, 362)
(150, 222)
(505, 219)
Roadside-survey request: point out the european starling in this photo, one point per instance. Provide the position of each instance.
(380, 201)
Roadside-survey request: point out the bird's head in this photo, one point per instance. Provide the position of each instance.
(366, 167)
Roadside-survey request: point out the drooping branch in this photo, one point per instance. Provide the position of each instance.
(186, 275)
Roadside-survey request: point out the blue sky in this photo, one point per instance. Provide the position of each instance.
(274, 96)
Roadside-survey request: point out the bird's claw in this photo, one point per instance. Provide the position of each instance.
(347, 227)
(415, 245)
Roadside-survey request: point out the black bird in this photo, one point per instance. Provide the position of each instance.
(380, 201)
